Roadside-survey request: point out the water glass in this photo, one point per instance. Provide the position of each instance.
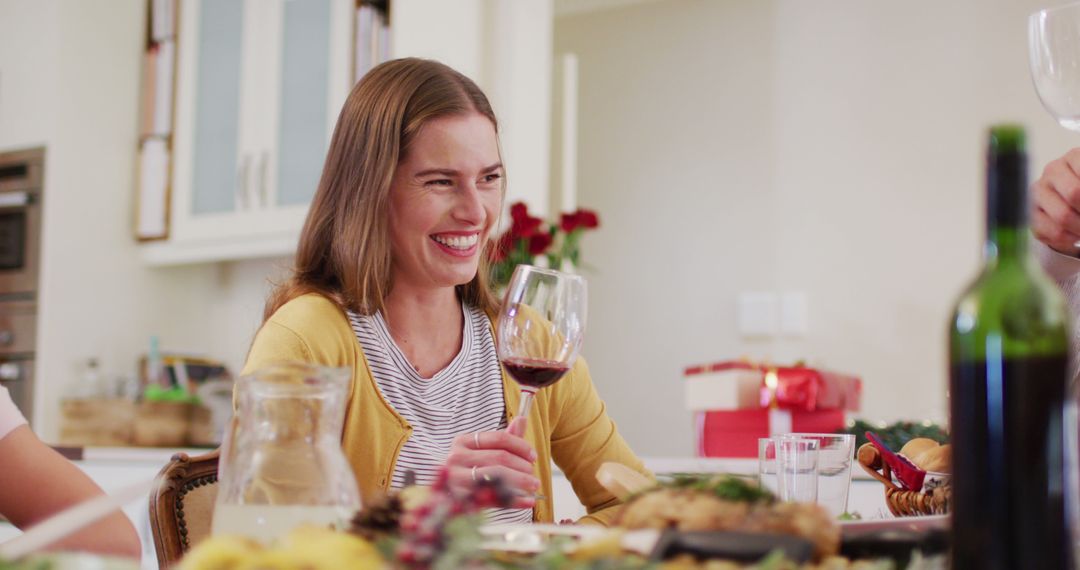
(767, 465)
(835, 451)
(797, 469)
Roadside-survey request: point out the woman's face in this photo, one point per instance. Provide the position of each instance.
(445, 197)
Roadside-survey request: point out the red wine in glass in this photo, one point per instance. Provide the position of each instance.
(535, 373)
(541, 328)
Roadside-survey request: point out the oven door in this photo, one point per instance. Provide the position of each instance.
(19, 230)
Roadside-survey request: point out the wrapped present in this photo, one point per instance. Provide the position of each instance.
(735, 433)
(743, 384)
(737, 402)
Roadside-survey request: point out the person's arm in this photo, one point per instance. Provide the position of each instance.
(36, 482)
(1055, 216)
(584, 437)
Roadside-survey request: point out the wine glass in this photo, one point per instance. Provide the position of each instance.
(1054, 50)
(541, 328)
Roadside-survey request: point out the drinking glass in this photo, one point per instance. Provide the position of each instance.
(541, 328)
(796, 469)
(767, 465)
(835, 451)
(1054, 51)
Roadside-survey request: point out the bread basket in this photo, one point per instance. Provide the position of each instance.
(903, 502)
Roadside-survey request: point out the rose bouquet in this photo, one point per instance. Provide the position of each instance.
(530, 237)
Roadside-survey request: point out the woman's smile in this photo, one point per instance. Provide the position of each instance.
(459, 244)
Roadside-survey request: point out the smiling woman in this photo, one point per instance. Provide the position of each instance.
(391, 282)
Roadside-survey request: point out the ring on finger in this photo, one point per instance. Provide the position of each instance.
(474, 467)
(476, 439)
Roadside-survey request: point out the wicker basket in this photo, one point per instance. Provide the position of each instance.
(902, 502)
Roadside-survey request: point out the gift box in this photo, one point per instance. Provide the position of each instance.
(741, 384)
(737, 402)
(735, 433)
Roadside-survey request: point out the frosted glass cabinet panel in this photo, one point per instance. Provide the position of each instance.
(215, 176)
(305, 81)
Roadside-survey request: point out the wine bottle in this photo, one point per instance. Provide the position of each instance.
(1008, 351)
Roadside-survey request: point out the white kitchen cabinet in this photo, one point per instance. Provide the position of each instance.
(259, 86)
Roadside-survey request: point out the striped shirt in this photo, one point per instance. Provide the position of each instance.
(464, 397)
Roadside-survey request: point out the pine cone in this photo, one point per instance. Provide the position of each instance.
(378, 519)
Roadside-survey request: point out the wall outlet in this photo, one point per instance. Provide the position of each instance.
(794, 319)
(757, 314)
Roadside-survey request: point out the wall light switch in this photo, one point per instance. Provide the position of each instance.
(757, 314)
(794, 318)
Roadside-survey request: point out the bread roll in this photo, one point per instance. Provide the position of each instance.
(916, 447)
(869, 456)
(936, 459)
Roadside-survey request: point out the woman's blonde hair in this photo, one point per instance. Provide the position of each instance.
(344, 250)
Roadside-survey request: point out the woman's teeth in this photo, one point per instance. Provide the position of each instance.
(457, 242)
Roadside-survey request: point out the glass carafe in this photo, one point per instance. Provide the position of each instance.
(281, 463)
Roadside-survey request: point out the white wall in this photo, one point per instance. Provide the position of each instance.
(675, 153)
(831, 147)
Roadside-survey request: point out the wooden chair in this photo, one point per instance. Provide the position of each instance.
(182, 504)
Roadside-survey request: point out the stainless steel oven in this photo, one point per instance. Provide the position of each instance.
(21, 184)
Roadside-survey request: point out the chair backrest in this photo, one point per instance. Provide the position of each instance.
(182, 504)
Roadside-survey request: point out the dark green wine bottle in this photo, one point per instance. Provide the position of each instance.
(1008, 351)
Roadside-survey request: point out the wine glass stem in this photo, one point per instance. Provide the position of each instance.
(526, 403)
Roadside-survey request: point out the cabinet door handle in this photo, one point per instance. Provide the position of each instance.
(264, 199)
(241, 197)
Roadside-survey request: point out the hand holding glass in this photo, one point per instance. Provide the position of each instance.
(541, 328)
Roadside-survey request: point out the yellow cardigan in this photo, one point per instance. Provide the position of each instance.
(568, 422)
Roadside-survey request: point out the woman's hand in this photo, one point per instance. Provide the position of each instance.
(1055, 204)
(503, 454)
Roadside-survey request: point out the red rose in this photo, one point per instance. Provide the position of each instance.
(568, 222)
(526, 226)
(580, 219)
(539, 242)
(587, 219)
(523, 225)
(518, 210)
